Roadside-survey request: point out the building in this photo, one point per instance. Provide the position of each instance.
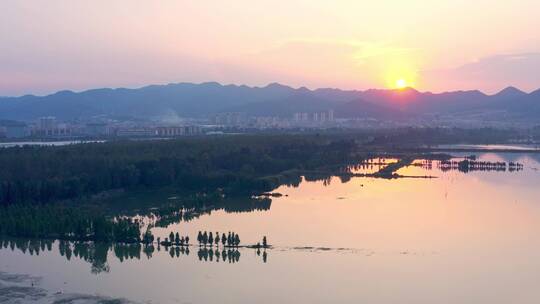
(52, 130)
(298, 117)
(232, 118)
(319, 117)
(47, 123)
(175, 131)
(49, 127)
(136, 132)
(97, 129)
(13, 129)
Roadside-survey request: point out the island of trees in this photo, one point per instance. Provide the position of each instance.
(60, 192)
(54, 191)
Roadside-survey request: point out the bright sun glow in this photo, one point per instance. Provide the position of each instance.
(400, 74)
(401, 84)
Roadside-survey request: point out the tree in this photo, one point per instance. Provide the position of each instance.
(211, 239)
(148, 236)
(177, 239)
(217, 239)
(200, 238)
(205, 238)
(264, 243)
(236, 240)
(171, 237)
(187, 240)
(223, 239)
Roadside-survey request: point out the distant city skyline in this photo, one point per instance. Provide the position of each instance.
(432, 46)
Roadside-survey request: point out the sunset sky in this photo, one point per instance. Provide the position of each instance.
(432, 45)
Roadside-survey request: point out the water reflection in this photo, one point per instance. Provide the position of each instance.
(412, 240)
(176, 210)
(97, 254)
(469, 165)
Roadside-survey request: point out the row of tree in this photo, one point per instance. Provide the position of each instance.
(175, 239)
(97, 253)
(227, 240)
(55, 221)
(67, 223)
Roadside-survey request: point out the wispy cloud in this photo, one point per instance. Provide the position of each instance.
(490, 74)
(330, 63)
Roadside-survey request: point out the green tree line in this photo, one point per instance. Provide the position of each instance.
(235, 164)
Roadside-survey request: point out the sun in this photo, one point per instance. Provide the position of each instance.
(401, 83)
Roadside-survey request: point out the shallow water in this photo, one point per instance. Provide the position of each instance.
(46, 143)
(458, 238)
(524, 147)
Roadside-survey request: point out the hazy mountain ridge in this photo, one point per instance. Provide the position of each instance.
(199, 100)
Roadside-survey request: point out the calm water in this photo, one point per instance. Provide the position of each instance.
(458, 238)
(524, 147)
(46, 143)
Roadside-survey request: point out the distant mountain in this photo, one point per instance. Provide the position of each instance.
(297, 101)
(510, 92)
(184, 99)
(363, 109)
(201, 100)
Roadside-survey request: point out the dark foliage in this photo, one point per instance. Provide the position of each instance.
(235, 164)
(66, 223)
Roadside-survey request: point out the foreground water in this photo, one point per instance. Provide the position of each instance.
(46, 143)
(458, 238)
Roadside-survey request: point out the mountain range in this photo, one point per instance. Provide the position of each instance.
(206, 99)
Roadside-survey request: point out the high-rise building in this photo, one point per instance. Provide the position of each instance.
(322, 117)
(47, 123)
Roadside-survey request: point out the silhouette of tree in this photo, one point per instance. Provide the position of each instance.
(177, 239)
(211, 239)
(148, 251)
(236, 240)
(148, 237)
(205, 238)
(217, 239)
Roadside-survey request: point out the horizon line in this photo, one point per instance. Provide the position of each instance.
(266, 86)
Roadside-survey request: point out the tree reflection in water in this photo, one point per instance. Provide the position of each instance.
(97, 254)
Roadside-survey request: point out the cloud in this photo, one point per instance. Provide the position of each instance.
(489, 74)
(325, 63)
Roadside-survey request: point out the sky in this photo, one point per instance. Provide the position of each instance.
(51, 45)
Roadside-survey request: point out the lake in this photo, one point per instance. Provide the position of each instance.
(46, 143)
(456, 237)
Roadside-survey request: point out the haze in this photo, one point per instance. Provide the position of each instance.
(431, 45)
